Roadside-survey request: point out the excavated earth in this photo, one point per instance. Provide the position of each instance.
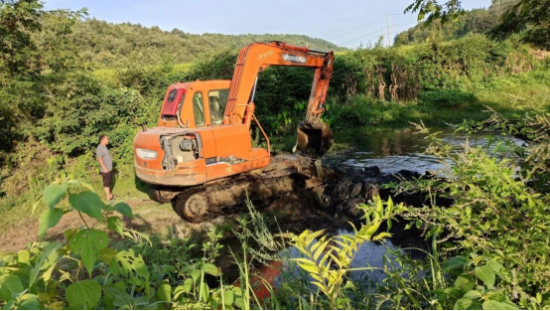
(333, 205)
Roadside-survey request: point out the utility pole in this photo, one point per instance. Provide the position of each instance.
(388, 24)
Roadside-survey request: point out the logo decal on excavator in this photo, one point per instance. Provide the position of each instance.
(265, 55)
(294, 58)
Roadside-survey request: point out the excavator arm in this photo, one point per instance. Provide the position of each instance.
(314, 136)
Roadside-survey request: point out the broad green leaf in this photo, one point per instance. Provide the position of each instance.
(465, 283)
(87, 243)
(124, 209)
(164, 293)
(47, 275)
(24, 256)
(204, 291)
(125, 263)
(211, 269)
(88, 203)
(239, 303)
(115, 223)
(486, 274)
(86, 185)
(183, 289)
(80, 184)
(123, 301)
(111, 291)
(495, 266)
(107, 254)
(47, 254)
(54, 193)
(29, 302)
(9, 284)
(473, 294)
(455, 262)
(496, 296)
(228, 297)
(464, 304)
(195, 274)
(48, 219)
(83, 294)
(497, 305)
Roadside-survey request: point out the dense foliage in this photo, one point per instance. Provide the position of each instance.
(86, 272)
(531, 16)
(107, 45)
(474, 21)
(503, 18)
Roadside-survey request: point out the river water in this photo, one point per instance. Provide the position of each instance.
(393, 151)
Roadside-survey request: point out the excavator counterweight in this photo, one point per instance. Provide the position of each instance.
(201, 149)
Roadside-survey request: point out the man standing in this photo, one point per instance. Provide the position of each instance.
(105, 165)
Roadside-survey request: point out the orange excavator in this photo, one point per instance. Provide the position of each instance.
(201, 157)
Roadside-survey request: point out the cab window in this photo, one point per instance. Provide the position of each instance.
(217, 100)
(198, 109)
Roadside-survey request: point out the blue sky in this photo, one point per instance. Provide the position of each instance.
(344, 22)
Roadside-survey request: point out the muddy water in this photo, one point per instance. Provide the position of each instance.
(393, 151)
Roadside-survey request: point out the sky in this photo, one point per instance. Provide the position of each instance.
(347, 23)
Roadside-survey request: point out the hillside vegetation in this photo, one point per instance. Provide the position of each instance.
(475, 21)
(106, 45)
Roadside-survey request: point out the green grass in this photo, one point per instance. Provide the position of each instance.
(511, 95)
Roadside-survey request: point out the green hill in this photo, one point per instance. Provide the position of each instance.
(106, 44)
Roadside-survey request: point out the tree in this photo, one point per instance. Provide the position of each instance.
(531, 16)
(432, 10)
(19, 60)
(18, 19)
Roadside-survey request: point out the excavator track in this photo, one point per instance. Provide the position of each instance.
(201, 203)
(192, 205)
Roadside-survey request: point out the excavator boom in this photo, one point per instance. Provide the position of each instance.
(314, 136)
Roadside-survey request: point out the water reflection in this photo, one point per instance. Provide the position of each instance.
(393, 151)
(369, 255)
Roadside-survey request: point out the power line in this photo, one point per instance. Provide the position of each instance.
(362, 40)
(370, 23)
(370, 34)
(358, 28)
(343, 43)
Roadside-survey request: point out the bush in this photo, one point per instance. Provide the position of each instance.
(447, 99)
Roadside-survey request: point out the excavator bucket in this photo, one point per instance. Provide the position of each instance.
(313, 140)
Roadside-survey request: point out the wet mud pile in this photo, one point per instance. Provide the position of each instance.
(332, 205)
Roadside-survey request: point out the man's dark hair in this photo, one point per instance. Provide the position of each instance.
(101, 137)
